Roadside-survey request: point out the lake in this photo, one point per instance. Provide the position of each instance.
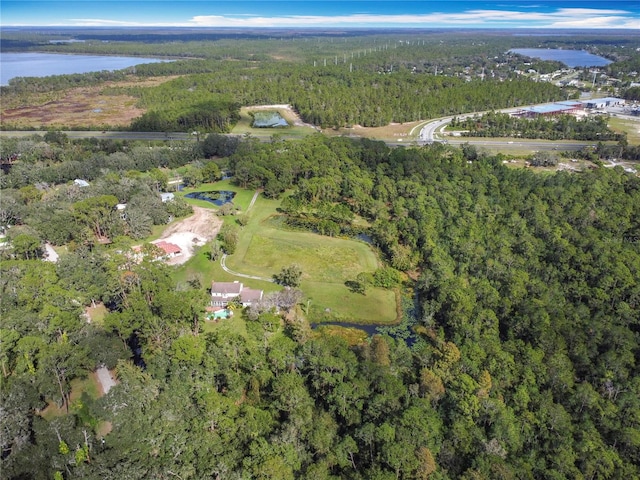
(571, 58)
(35, 64)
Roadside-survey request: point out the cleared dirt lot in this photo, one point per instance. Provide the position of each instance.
(192, 232)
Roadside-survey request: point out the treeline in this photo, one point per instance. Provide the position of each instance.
(210, 116)
(335, 97)
(562, 127)
(54, 163)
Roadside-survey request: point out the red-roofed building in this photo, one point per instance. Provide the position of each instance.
(170, 249)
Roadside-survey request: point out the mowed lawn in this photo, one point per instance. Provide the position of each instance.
(326, 264)
(322, 259)
(264, 249)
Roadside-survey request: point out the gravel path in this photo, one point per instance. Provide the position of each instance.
(223, 264)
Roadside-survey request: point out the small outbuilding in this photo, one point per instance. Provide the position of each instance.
(166, 197)
(170, 250)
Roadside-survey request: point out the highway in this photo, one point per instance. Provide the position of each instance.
(427, 135)
(430, 132)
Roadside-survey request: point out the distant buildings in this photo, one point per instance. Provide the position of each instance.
(551, 109)
(604, 102)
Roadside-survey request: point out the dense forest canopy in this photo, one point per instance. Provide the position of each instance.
(524, 316)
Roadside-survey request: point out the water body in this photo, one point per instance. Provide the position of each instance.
(35, 64)
(217, 197)
(571, 58)
(268, 120)
(402, 334)
(371, 329)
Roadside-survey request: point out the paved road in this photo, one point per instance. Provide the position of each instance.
(432, 132)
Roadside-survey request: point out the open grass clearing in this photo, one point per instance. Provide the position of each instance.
(630, 127)
(322, 259)
(394, 132)
(96, 314)
(336, 303)
(202, 268)
(326, 263)
(353, 336)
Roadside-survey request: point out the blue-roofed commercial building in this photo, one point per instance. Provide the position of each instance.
(604, 102)
(550, 109)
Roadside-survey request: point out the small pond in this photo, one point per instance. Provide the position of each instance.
(268, 120)
(217, 197)
(374, 329)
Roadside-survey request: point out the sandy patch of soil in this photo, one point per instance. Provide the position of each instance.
(50, 254)
(105, 380)
(192, 232)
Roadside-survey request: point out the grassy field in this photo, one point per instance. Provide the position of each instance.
(326, 264)
(394, 132)
(630, 127)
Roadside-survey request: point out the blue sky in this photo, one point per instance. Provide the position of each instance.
(610, 14)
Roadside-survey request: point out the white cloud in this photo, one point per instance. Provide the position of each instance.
(560, 18)
(98, 22)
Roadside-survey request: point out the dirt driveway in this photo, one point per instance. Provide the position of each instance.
(192, 232)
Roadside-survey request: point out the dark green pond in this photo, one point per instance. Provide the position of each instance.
(217, 197)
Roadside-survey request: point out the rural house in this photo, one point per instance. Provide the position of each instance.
(224, 292)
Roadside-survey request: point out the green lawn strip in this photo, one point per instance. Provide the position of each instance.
(236, 325)
(336, 303)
